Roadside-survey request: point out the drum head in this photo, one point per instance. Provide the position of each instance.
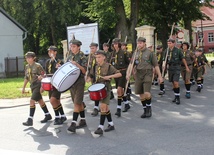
(46, 80)
(96, 87)
(65, 77)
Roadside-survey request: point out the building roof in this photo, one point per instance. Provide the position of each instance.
(209, 12)
(12, 19)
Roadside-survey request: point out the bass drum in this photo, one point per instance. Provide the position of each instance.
(65, 76)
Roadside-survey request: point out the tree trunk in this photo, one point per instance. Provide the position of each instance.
(121, 25)
(188, 26)
(133, 20)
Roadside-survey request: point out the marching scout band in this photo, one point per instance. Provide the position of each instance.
(101, 66)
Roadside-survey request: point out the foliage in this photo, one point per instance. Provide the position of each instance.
(46, 20)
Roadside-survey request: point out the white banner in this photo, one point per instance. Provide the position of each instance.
(86, 33)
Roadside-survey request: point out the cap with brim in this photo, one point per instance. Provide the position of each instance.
(159, 46)
(76, 42)
(105, 44)
(30, 54)
(93, 44)
(171, 40)
(124, 44)
(116, 40)
(53, 48)
(199, 50)
(141, 39)
(185, 43)
(100, 52)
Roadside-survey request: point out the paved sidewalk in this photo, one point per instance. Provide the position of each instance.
(185, 129)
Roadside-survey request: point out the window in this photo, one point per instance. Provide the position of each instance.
(211, 49)
(210, 37)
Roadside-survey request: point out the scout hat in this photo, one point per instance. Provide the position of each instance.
(100, 52)
(124, 44)
(171, 40)
(106, 44)
(116, 40)
(199, 50)
(76, 42)
(30, 54)
(185, 43)
(159, 47)
(93, 44)
(53, 48)
(141, 39)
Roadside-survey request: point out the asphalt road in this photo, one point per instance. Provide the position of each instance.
(185, 129)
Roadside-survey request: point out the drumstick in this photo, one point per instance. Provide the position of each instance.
(167, 52)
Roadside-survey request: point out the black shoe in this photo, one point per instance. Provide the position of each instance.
(29, 122)
(82, 124)
(109, 128)
(174, 100)
(149, 111)
(118, 113)
(126, 108)
(47, 118)
(72, 127)
(99, 131)
(188, 95)
(112, 95)
(63, 119)
(128, 97)
(144, 113)
(198, 89)
(177, 100)
(95, 112)
(202, 86)
(161, 92)
(57, 121)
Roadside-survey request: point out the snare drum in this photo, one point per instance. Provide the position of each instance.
(65, 76)
(46, 84)
(97, 92)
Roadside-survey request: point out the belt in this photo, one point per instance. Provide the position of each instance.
(187, 65)
(173, 65)
(123, 69)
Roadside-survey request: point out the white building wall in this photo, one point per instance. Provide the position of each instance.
(11, 43)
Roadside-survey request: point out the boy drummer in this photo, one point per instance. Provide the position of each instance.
(51, 67)
(33, 75)
(103, 73)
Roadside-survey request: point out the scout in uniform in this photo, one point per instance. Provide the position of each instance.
(189, 57)
(120, 62)
(129, 91)
(174, 59)
(108, 60)
(51, 67)
(77, 58)
(103, 73)
(203, 57)
(160, 55)
(33, 74)
(144, 62)
(92, 63)
(198, 66)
